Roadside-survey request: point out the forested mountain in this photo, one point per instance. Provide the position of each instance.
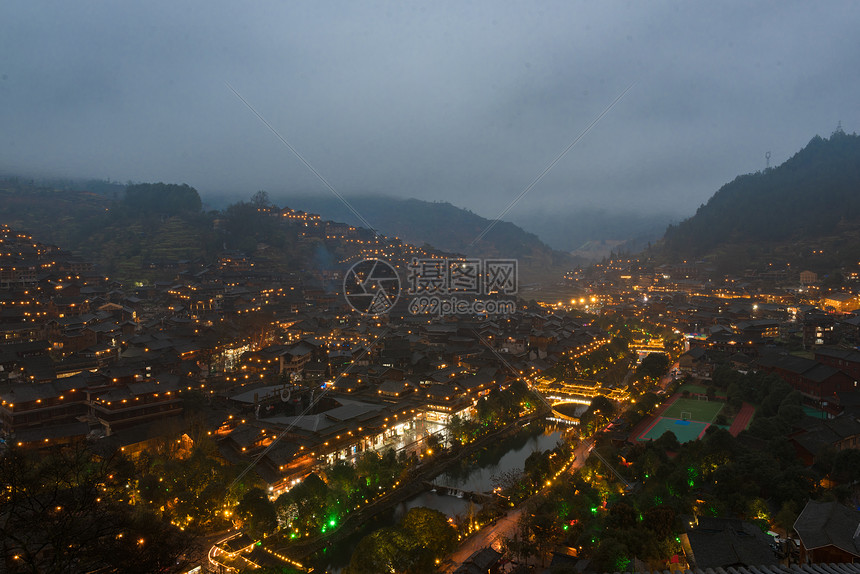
(150, 231)
(440, 224)
(809, 204)
(126, 234)
(142, 232)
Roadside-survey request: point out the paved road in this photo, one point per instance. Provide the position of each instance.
(506, 525)
(216, 539)
(668, 377)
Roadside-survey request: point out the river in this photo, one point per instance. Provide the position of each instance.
(474, 474)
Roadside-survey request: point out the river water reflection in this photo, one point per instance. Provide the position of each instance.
(474, 474)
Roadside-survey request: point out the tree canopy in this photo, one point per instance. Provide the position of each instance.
(68, 510)
(813, 193)
(422, 537)
(162, 198)
(654, 365)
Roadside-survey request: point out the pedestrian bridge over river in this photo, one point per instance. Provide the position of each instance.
(577, 391)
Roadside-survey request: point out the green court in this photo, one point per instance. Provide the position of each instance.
(684, 431)
(694, 409)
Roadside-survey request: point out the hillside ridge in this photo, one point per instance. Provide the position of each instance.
(807, 205)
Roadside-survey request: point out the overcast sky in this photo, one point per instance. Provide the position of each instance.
(457, 101)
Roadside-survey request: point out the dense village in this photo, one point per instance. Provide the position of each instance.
(263, 381)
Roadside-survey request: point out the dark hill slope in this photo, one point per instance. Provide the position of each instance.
(440, 224)
(813, 199)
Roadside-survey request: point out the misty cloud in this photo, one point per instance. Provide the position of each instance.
(462, 102)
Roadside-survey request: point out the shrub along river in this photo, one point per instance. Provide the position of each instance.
(472, 474)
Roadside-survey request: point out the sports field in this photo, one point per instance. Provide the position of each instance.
(697, 416)
(702, 411)
(684, 431)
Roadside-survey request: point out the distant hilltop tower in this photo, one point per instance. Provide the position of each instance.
(767, 160)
